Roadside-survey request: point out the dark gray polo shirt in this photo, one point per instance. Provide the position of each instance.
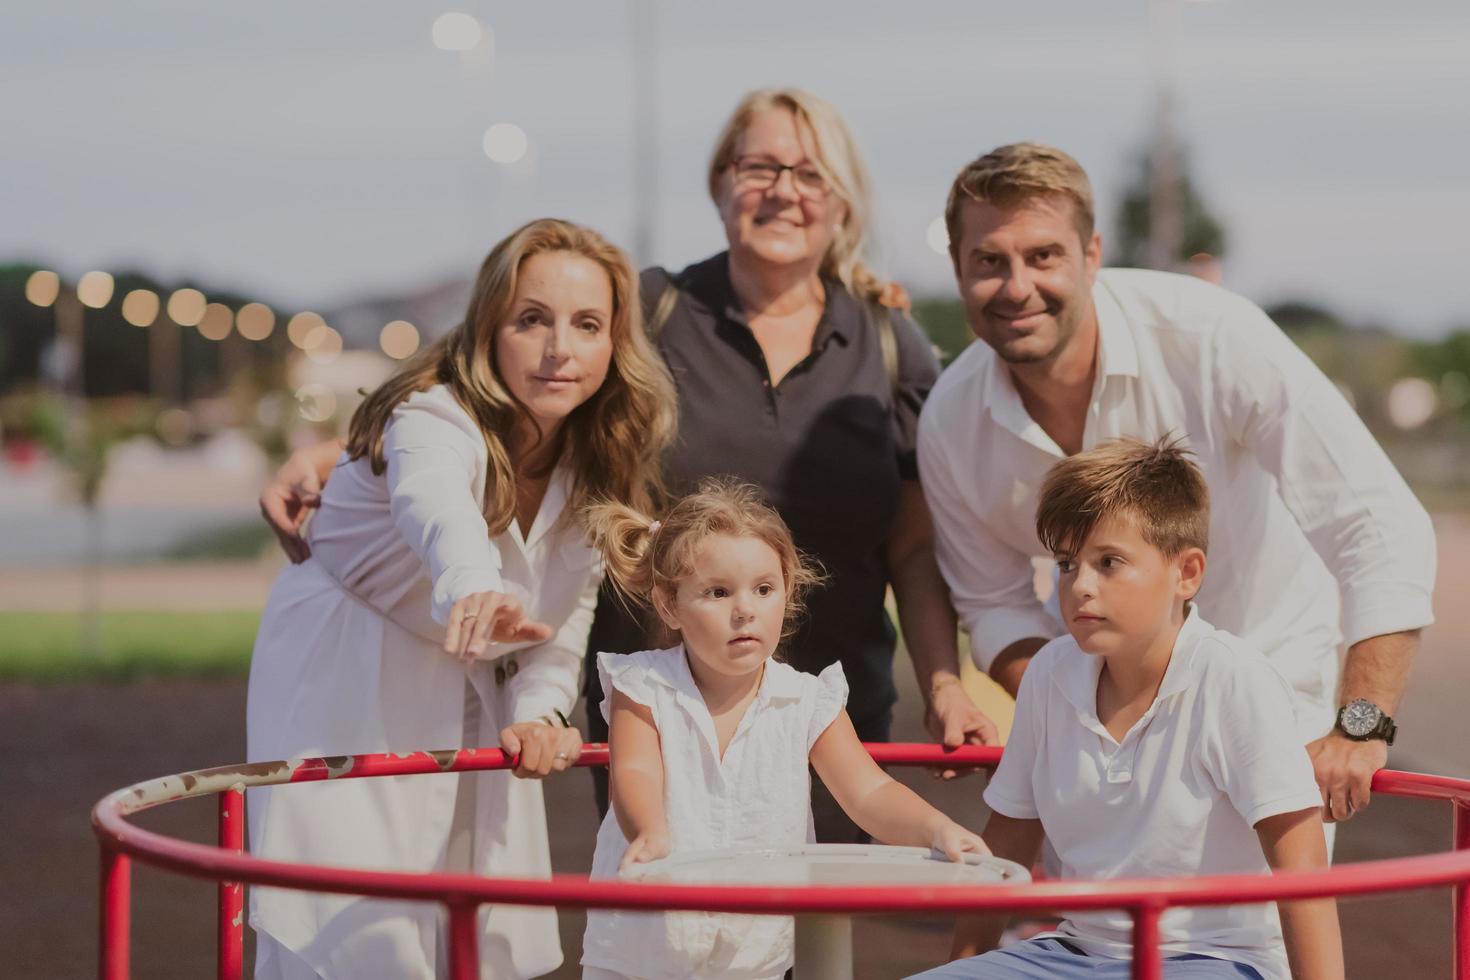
(829, 445)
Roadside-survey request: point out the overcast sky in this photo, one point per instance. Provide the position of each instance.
(317, 152)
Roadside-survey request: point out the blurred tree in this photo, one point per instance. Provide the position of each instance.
(115, 352)
(80, 434)
(1201, 230)
(944, 321)
(1299, 316)
(1447, 363)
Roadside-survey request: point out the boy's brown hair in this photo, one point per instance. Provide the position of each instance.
(1156, 486)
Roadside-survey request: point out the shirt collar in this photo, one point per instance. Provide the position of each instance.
(553, 504)
(1117, 356)
(1076, 673)
(836, 312)
(780, 682)
(1117, 350)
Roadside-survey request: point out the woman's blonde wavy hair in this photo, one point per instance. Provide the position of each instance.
(645, 559)
(839, 162)
(613, 439)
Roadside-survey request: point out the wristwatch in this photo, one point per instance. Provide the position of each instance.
(1361, 720)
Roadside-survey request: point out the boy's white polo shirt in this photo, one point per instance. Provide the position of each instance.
(1216, 752)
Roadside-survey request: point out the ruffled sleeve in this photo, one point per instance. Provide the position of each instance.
(627, 673)
(831, 697)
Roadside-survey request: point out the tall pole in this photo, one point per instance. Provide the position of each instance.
(645, 129)
(1165, 212)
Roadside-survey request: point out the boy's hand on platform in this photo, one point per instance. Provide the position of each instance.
(648, 846)
(954, 720)
(955, 841)
(542, 749)
(1344, 770)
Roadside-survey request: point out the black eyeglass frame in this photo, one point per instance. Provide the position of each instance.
(774, 171)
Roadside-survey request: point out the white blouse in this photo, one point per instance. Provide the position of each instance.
(349, 659)
(758, 796)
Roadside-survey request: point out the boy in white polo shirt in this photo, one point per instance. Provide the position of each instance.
(1149, 744)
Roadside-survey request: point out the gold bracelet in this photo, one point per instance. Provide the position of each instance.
(937, 686)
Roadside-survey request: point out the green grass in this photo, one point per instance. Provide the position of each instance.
(47, 647)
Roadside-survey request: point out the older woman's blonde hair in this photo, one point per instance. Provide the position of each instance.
(838, 160)
(613, 439)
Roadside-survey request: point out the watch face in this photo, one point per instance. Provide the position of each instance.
(1360, 717)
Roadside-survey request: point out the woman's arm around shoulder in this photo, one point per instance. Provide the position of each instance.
(295, 491)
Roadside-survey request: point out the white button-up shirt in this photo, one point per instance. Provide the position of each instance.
(1300, 492)
(1178, 796)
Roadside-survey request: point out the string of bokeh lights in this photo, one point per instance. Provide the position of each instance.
(189, 308)
(503, 142)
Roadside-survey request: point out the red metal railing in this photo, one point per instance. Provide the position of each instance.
(463, 894)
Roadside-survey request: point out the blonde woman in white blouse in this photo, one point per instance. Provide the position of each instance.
(446, 603)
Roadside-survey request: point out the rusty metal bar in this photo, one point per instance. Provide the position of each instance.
(231, 919)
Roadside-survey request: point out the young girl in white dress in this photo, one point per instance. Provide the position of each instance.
(711, 739)
(446, 603)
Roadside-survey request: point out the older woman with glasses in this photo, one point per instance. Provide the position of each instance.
(797, 371)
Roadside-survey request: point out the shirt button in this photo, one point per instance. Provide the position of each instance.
(511, 669)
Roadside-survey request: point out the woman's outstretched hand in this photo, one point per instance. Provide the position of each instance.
(649, 846)
(482, 619)
(955, 841)
(543, 749)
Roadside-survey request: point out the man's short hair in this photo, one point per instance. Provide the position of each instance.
(1018, 172)
(1158, 487)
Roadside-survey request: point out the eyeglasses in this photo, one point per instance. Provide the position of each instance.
(761, 173)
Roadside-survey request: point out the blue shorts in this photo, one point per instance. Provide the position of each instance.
(1056, 959)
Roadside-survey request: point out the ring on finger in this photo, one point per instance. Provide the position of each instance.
(561, 755)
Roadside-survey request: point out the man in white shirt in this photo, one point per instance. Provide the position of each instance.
(1308, 509)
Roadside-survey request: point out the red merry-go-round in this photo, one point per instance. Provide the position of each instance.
(464, 894)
